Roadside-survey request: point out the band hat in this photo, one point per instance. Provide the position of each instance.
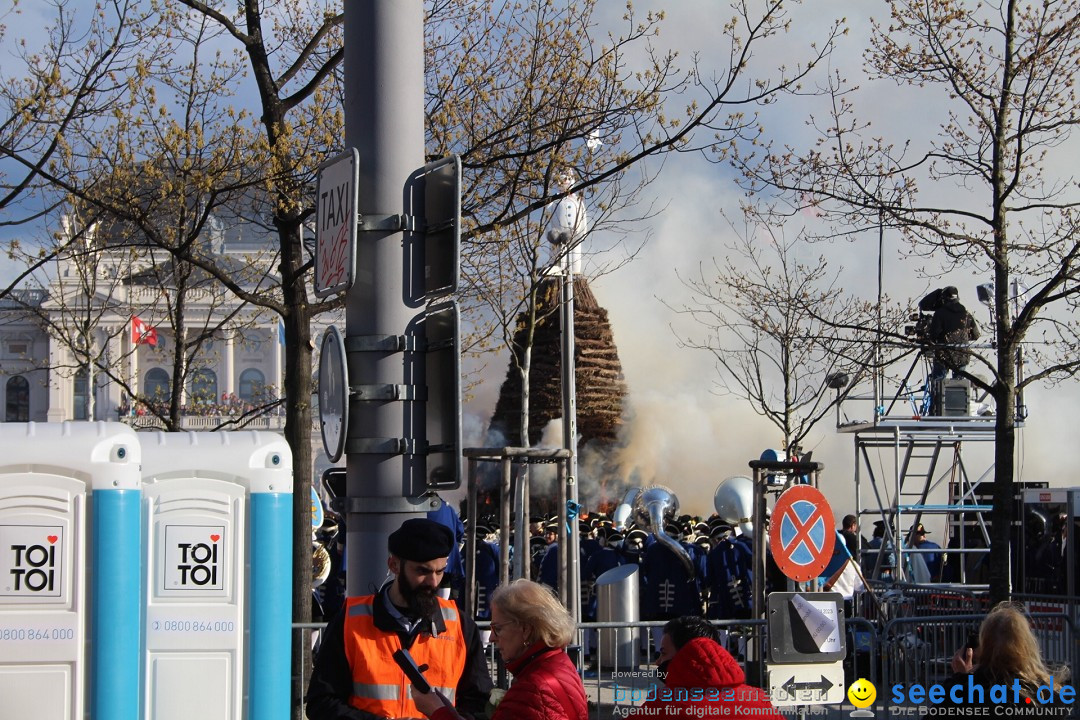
(720, 530)
(420, 540)
(918, 528)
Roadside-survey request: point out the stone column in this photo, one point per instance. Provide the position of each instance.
(60, 387)
(229, 386)
(274, 381)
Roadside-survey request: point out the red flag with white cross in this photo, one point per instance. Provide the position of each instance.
(141, 333)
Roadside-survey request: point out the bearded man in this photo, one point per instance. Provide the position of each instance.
(355, 676)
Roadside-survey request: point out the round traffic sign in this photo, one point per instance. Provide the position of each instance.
(333, 394)
(801, 534)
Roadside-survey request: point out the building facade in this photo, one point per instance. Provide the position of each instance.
(97, 339)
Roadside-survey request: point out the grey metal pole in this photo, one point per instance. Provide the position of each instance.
(520, 520)
(384, 121)
(569, 408)
(504, 524)
(472, 540)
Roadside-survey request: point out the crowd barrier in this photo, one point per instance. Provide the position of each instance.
(904, 643)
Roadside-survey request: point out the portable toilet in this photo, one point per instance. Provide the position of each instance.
(69, 570)
(218, 585)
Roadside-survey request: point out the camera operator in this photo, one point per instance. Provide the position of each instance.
(951, 325)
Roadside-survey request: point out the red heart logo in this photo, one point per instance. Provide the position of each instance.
(52, 539)
(215, 538)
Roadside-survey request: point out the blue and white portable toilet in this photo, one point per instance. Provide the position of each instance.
(218, 584)
(69, 570)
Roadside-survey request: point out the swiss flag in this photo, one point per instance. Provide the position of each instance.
(141, 333)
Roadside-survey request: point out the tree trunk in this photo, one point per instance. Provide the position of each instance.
(297, 391)
(1005, 441)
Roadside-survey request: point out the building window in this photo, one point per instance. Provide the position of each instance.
(252, 385)
(81, 398)
(204, 386)
(156, 384)
(252, 341)
(17, 394)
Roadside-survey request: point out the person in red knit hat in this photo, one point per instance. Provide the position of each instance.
(703, 680)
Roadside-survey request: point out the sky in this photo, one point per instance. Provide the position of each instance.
(684, 434)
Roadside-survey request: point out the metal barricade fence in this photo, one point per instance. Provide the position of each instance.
(920, 649)
(609, 685)
(897, 600)
(1059, 648)
(898, 650)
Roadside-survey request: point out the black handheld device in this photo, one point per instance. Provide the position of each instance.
(415, 673)
(408, 666)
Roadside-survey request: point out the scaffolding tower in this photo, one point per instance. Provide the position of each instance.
(914, 445)
(904, 462)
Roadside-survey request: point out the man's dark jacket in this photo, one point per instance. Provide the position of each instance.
(331, 679)
(952, 324)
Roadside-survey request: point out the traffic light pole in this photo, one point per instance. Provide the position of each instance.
(384, 121)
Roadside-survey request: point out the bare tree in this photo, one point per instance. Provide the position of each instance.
(538, 95)
(149, 184)
(984, 194)
(782, 331)
(71, 79)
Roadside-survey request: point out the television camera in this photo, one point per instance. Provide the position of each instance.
(919, 328)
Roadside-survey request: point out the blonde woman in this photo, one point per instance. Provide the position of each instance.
(531, 629)
(1007, 652)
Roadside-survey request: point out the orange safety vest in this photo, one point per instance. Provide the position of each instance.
(379, 685)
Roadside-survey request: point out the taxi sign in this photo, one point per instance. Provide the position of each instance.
(801, 533)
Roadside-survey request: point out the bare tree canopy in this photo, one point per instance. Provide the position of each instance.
(780, 329)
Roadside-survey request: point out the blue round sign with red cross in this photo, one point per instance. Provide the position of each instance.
(801, 533)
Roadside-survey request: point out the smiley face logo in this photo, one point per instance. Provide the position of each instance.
(862, 693)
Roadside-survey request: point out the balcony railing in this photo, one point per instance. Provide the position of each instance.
(209, 422)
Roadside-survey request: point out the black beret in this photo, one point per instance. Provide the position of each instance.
(420, 540)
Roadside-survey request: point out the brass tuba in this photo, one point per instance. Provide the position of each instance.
(652, 507)
(320, 565)
(734, 503)
(625, 509)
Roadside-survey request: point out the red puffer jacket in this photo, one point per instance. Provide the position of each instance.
(546, 687)
(705, 681)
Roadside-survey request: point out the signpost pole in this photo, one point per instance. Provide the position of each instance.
(763, 468)
(384, 121)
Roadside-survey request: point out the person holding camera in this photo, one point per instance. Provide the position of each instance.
(951, 326)
(1005, 655)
